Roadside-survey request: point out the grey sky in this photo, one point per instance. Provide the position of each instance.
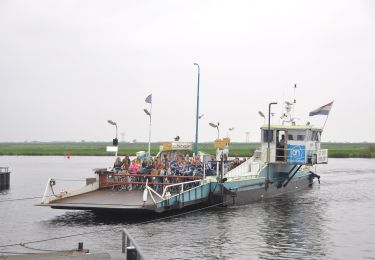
(68, 66)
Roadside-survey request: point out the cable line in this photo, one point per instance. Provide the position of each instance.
(30, 198)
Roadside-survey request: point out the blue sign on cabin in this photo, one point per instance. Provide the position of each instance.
(296, 154)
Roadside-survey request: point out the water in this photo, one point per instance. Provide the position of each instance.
(333, 220)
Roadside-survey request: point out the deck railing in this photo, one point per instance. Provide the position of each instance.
(296, 155)
(109, 180)
(180, 186)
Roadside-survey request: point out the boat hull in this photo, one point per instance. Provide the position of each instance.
(258, 191)
(226, 194)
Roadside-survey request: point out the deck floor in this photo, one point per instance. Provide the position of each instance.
(105, 199)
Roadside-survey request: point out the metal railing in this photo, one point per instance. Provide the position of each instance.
(166, 194)
(178, 184)
(61, 188)
(296, 155)
(130, 248)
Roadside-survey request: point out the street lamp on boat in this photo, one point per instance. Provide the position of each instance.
(149, 135)
(229, 130)
(115, 141)
(262, 115)
(217, 127)
(197, 117)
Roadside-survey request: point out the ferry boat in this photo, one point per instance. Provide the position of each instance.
(284, 162)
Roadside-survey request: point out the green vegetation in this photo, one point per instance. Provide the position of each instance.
(336, 150)
(350, 150)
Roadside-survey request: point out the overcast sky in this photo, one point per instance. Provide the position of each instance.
(66, 67)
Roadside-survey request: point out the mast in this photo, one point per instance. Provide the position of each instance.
(268, 143)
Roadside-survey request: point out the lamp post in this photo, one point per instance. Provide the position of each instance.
(262, 115)
(149, 132)
(115, 141)
(230, 129)
(268, 143)
(217, 149)
(217, 127)
(197, 115)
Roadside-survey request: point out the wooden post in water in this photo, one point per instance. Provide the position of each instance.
(4, 178)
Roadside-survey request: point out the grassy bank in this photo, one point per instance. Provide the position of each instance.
(336, 150)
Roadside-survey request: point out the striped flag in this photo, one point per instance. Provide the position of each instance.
(149, 99)
(324, 110)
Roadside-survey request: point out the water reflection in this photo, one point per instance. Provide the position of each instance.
(94, 218)
(4, 192)
(223, 238)
(332, 221)
(292, 227)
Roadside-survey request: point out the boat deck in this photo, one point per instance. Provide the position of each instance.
(105, 200)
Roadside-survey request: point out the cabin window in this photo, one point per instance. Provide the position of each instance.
(318, 136)
(267, 136)
(300, 137)
(315, 136)
(290, 137)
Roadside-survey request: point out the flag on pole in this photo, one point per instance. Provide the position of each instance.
(324, 110)
(149, 99)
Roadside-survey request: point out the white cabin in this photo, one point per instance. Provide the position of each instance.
(293, 144)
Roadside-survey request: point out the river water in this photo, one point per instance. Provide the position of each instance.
(333, 220)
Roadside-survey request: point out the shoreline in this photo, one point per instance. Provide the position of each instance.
(336, 150)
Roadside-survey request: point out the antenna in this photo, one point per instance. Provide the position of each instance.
(289, 109)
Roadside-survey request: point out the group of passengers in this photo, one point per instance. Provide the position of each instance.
(179, 165)
(169, 165)
(234, 163)
(162, 170)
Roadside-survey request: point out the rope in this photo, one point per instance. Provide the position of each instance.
(16, 253)
(69, 179)
(30, 198)
(37, 249)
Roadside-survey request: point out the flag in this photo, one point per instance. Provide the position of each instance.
(324, 110)
(149, 99)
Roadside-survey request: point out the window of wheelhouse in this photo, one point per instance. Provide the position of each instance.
(267, 136)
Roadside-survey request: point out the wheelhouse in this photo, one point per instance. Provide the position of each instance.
(294, 144)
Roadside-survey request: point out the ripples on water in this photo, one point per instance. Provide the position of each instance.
(334, 220)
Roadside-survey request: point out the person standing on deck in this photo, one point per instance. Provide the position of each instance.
(281, 148)
(117, 165)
